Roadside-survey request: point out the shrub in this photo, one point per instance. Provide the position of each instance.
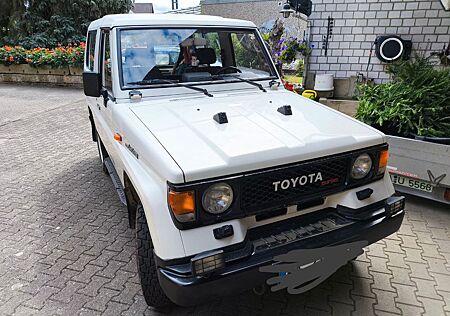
(71, 55)
(416, 102)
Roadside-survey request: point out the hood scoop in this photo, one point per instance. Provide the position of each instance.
(285, 110)
(221, 118)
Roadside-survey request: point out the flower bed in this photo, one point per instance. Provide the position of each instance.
(57, 57)
(60, 65)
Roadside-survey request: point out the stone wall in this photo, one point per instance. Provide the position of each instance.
(258, 12)
(65, 76)
(359, 22)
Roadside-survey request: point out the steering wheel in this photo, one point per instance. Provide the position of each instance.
(228, 67)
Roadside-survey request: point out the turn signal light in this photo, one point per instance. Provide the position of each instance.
(382, 163)
(118, 137)
(182, 205)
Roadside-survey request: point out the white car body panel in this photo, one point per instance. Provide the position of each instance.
(256, 135)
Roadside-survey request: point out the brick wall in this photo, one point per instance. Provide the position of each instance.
(359, 22)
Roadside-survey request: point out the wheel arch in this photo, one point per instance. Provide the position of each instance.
(143, 186)
(93, 128)
(133, 200)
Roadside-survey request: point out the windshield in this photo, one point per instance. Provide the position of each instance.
(162, 56)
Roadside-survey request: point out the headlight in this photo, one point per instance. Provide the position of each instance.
(217, 198)
(361, 166)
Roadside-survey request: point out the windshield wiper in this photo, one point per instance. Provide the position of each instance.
(144, 82)
(250, 82)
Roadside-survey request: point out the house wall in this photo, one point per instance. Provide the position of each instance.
(359, 22)
(258, 12)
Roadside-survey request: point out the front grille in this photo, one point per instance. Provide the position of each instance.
(258, 190)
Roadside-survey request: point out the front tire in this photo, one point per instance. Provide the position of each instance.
(153, 293)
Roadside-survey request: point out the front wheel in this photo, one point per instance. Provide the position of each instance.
(153, 293)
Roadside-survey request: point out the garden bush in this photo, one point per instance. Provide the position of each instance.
(71, 55)
(415, 102)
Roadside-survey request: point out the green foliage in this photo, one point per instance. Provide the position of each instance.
(416, 102)
(288, 48)
(300, 68)
(47, 23)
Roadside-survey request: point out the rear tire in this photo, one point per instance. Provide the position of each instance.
(153, 293)
(102, 154)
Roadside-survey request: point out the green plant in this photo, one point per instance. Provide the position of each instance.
(288, 49)
(300, 68)
(71, 55)
(416, 102)
(47, 23)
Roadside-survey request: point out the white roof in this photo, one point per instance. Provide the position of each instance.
(142, 19)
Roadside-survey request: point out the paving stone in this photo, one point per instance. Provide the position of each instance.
(386, 301)
(401, 276)
(362, 287)
(393, 245)
(419, 270)
(410, 310)
(377, 250)
(406, 294)
(438, 266)
(363, 305)
(39, 299)
(443, 281)
(426, 288)
(419, 226)
(431, 306)
(431, 251)
(341, 309)
(378, 265)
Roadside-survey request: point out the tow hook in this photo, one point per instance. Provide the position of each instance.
(260, 289)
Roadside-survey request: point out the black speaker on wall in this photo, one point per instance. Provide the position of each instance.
(390, 48)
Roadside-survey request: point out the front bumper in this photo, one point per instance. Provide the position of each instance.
(241, 271)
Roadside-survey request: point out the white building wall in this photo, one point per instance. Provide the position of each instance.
(359, 22)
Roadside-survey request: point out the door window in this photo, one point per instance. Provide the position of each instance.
(107, 78)
(90, 50)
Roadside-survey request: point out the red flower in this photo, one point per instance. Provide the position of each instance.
(11, 58)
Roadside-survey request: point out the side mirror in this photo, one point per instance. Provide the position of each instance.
(92, 84)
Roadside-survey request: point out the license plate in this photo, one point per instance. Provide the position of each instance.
(411, 183)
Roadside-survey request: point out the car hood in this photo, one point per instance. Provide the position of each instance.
(256, 135)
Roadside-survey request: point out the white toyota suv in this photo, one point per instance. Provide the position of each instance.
(222, 169)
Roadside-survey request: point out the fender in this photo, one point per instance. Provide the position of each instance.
(151, 190)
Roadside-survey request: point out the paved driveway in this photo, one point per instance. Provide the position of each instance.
(65, 247)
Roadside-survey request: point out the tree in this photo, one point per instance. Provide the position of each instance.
(47, 23)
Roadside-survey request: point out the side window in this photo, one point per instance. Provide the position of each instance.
(107, 81)
(90, 50)
(212, 41)
(248, 55)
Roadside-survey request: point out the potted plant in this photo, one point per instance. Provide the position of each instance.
(292, 48)
(414, 110)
